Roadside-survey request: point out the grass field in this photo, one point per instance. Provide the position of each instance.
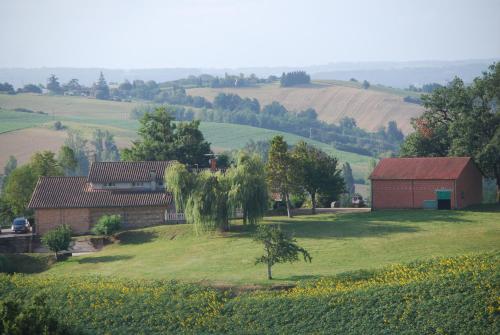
(87, 114)
(333, 100)
(11, 120)
(337, 243)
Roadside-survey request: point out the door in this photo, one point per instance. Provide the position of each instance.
(443, 198)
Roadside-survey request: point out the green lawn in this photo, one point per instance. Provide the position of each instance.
(337, 243)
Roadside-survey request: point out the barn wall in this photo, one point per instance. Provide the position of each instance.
(76, 218)
(469, 186)
(393, 194)
(426, 190)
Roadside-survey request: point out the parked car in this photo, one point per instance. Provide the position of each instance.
(21, 225)
(357, 201)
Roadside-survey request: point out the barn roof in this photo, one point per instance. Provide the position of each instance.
(107, 172)
(76, 192)
(420, 168)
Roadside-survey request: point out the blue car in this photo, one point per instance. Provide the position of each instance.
(21, 225)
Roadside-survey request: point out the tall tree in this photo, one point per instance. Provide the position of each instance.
(10, 166)
(316, 172)
(44, 163)
(76, 142)
(101, 88)
(461, 120)
(67, 160)
(279, 247)
(161, 139)
(104, 146)
(348, 178)
(249, 187)
(18, 189)
(280, 170)
(53, 85)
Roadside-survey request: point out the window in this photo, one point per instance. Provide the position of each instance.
(109, 185)
(137, 184)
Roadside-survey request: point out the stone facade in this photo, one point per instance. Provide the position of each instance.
(76, 218)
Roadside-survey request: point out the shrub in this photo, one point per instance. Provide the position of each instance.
(32, 318)
(107, 225)
(57, 239)
(5, 265)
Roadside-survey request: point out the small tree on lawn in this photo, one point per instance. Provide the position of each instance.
(57, 239)
(107, 225)
(279, 247)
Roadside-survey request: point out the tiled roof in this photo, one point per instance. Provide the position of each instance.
(107, 172)
(75, 192)
(420, 168)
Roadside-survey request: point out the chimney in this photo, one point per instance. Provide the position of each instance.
(213, 164)
(152, 174)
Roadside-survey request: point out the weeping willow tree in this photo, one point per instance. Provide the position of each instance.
(249, 188)
(209, 199)
(204, 197)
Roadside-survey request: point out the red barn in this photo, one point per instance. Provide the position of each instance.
(426, 182)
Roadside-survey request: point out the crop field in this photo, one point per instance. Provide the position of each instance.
(87, 114)
(12, 120)
(371, 108)
(337, 243)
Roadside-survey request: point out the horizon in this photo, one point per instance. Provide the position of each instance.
(226, 34)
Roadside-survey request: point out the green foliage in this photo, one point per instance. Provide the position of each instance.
(10, 166)
(348, 178)
(461, 120)
(44, 163)
(365, 84)
(316, 173)
(280, 171)
(30, 318)
(53, 85)
(78, 143)
(279, 247)
(101, 89)
(455, 295)
(67, 160)
(18, 189)
(180, 182)
(248, 188)
(107, 225)
(294, 78)
(57, 239)
(105, 146)
(161, 139)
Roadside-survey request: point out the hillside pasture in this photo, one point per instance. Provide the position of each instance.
(371, 108)
(13, 120)
(87, 114)
(337, 243)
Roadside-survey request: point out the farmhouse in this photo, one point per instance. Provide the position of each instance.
(133, 190)
(430, 182)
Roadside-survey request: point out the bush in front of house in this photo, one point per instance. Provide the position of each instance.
(107, 225)
(57, 239)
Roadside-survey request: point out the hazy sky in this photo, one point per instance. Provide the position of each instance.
(243, 33)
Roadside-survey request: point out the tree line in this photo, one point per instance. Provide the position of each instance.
(346, 135)
(294, 78)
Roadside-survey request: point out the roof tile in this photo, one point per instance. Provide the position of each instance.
(420, 168)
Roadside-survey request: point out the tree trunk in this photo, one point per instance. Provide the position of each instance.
(288, 206)
(269, 276)
(244, 217)
(498, 189)
(313, 201)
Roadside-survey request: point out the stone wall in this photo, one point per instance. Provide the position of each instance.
(76, 218)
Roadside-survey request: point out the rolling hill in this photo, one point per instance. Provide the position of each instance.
(333, 100)
(26, 133)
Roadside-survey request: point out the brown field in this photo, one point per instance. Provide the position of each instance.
(25, 142)
(371, 108)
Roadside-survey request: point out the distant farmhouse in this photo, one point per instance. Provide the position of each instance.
(133, 190)
(430, 182)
